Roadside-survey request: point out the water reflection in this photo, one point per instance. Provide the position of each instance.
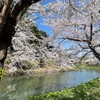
(18, 88)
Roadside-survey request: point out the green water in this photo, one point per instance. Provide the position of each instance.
(19, 88)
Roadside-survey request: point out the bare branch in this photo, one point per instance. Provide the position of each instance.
(91, 28)
(82, 46)
(73, 39)
(84, 55)
(4, 12)
(96, 46)
(20, 6)
(70, 2)
(91, 3)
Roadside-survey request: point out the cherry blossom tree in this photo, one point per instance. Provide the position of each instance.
(76, 21)
(11, 11)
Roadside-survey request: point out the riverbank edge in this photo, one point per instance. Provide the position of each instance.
(86, 91)
(38, 71)
(87, 66)
(48, 70)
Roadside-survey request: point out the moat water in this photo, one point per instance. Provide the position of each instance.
(19, 88)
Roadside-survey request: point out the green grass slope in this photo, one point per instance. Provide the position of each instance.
(86, 91)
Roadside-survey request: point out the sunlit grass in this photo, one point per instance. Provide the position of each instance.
(1, 73)
(88, 66)
(86, 91)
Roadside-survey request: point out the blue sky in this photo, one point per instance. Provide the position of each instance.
(47, 29)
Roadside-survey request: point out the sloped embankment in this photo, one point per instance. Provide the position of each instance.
(86, 91)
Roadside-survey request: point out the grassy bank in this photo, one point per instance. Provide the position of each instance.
(86, 91)
(47, 70)
(87, 66)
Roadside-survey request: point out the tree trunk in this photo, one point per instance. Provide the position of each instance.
(95, 53)
(8, 18)
(6, 35)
